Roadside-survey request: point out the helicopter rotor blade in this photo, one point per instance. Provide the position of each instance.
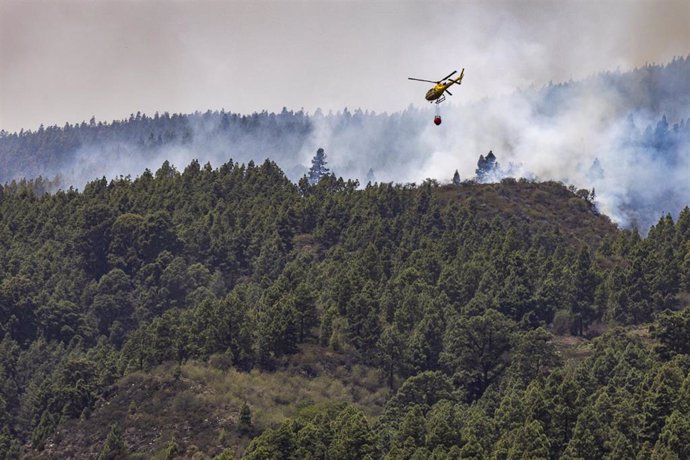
(419, 79)
(449, 75)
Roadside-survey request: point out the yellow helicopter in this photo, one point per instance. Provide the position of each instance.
(437, 92)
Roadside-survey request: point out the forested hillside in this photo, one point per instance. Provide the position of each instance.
(160, 316)
(627, 134)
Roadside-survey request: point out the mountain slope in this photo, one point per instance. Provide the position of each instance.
(242, 269)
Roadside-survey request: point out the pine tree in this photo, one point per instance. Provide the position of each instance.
(442, 423)
(596, 172)
(114, 447)
(674, 438)
(172, 450)
(245, 422)
(525, 441)
(672, 331)
(477, 349)
(371, 177)
(486, 167)
(311, 441)
(318, 167)
(353, 438)
(660, 400)
(305, 305)
(478, 433)
(411, 431)
(390, 348)
(456, 178)
(587, 439)
(227, 454)
(9, 447)
(584, 283)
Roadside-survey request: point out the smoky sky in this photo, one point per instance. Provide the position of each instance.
(65, 61)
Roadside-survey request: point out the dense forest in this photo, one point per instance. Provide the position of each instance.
(504, 320)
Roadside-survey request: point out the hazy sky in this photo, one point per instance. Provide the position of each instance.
(68, 60)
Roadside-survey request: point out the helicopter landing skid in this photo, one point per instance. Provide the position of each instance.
(441, 99)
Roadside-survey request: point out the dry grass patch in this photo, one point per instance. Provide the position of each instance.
(199, 404)
(572, 349)
(275, 396)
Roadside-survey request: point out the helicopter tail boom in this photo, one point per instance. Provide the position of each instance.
(457, 80)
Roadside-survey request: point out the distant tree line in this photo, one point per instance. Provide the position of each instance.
(52, 151)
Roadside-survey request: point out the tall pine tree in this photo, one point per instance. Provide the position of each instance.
(318, 167)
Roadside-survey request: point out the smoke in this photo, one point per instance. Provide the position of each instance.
(559, 133)
(604, 133)
(68, 60)
(211, 137)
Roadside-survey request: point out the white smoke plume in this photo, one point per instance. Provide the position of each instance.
(557, 133)
(589, 134)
